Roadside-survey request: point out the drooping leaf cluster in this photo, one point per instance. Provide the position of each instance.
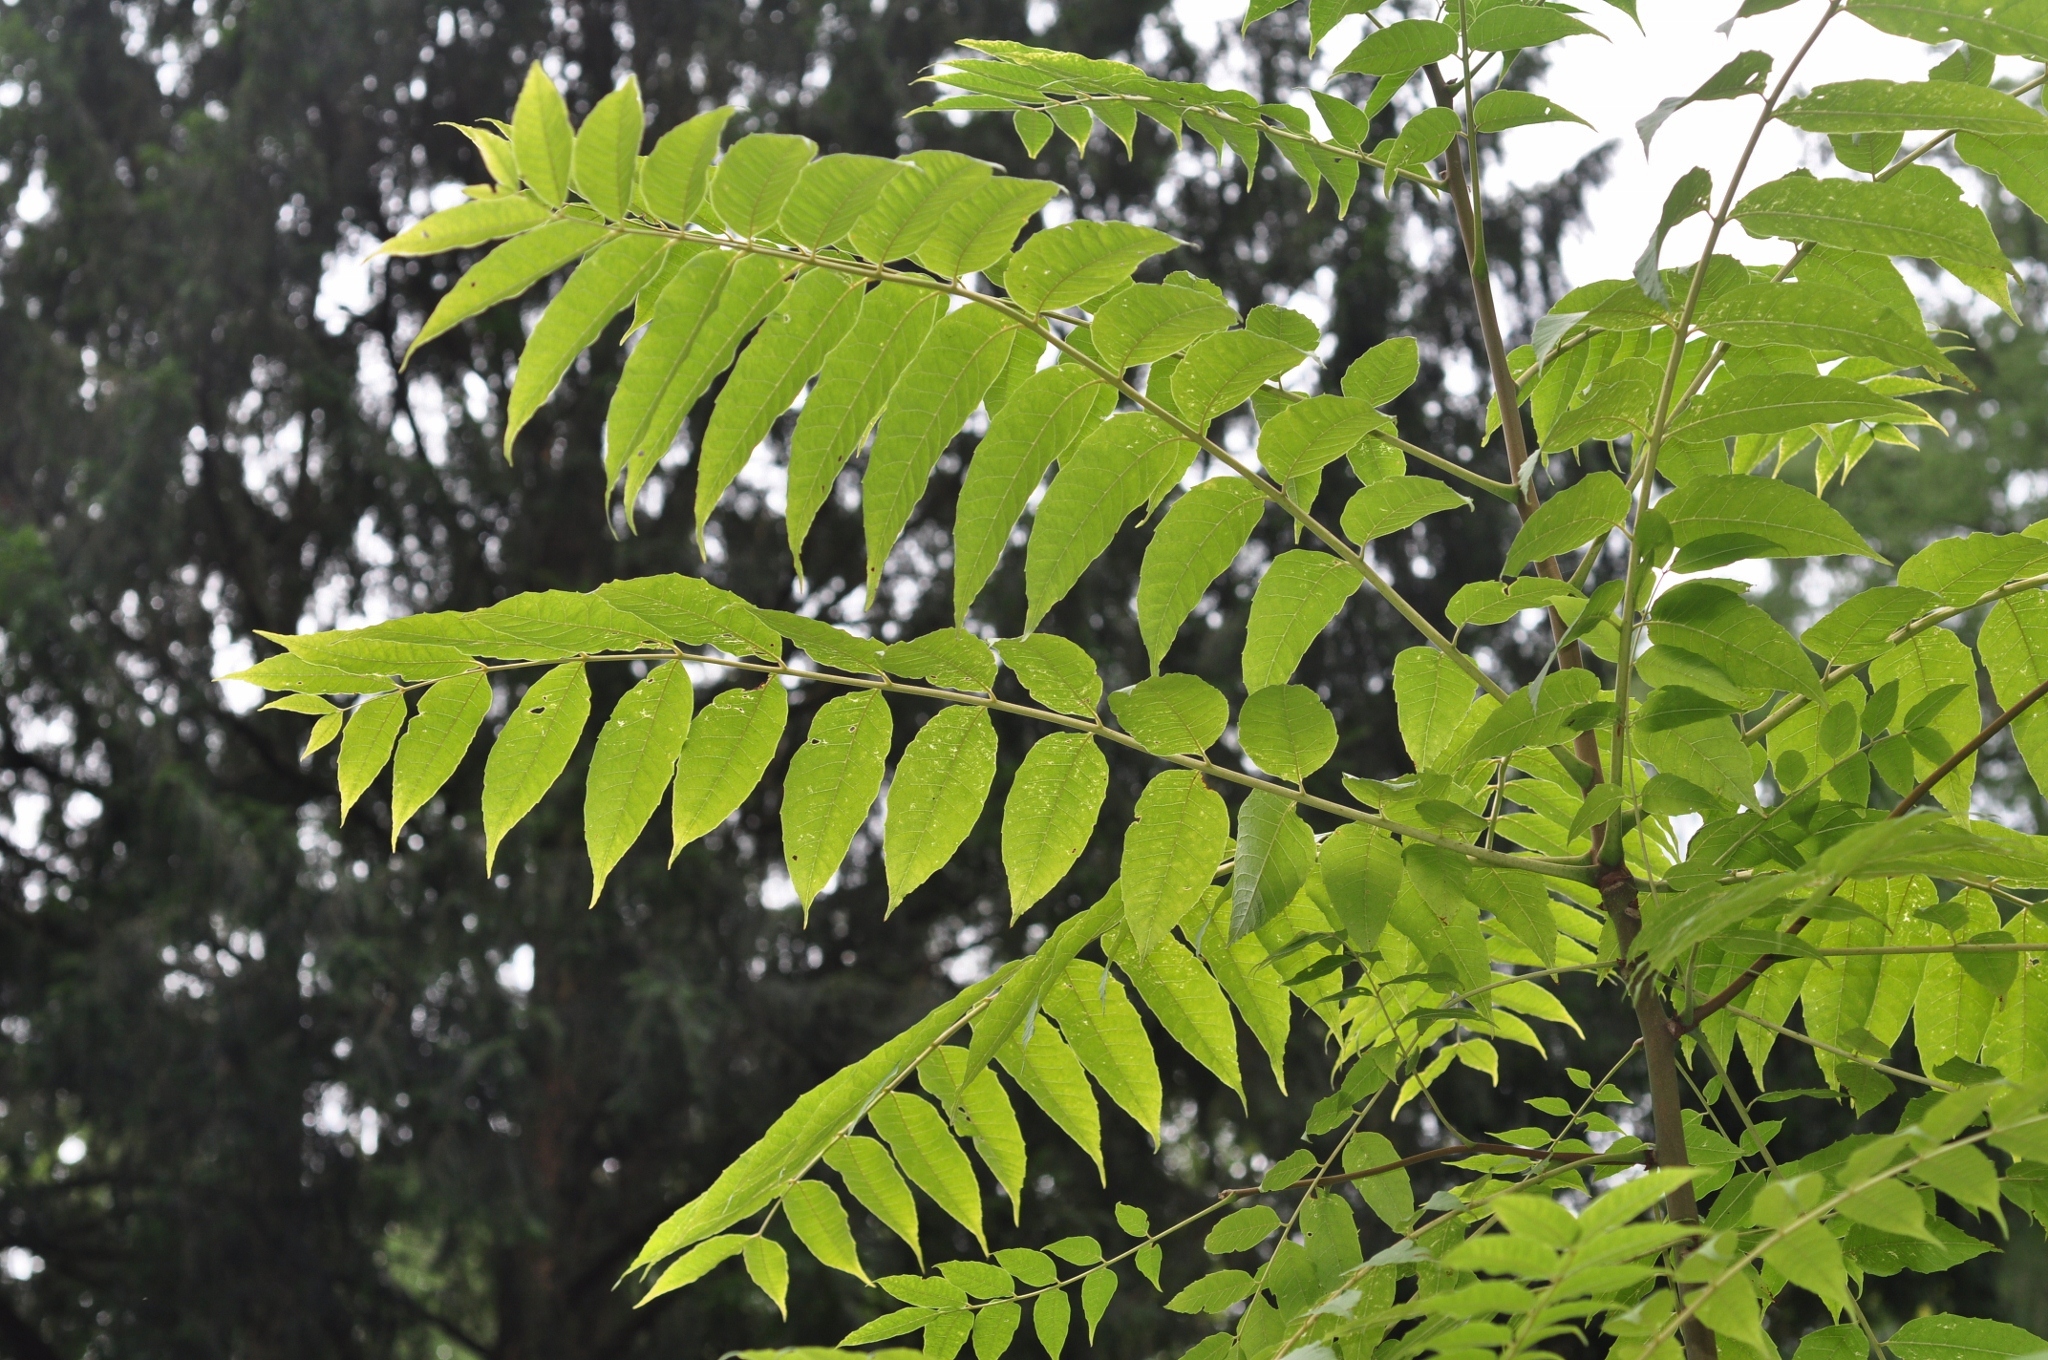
(1689, 802)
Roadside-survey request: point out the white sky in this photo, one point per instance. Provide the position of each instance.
(1613, 83)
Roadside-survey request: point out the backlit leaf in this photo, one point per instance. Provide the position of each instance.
(1050, 814)
(631, 768)
(1055, 672)
(1200, 536)
(1170, 853)
(1275, 851)
(450, 711)
(1299, 595)
(1172, 714)
(1108, 1036)
(730, 744)
(1043, 420)
(1287, 731)
(1076, 262)
(856, 380)
(832, 782)
(937, 795)
(1116, 469)
(607, 151)
(541, 138)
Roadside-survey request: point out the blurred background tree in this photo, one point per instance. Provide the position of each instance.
(267, 1089)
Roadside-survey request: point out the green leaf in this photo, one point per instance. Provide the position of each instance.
(496, 153)
(1311, 434)
(1860, 628)
(1689, 197)
(1742, 76)
(1275, 852)
(1521, 721)
(1287, 731)
(1511, 28)
(1201, 535)
(1758, 404)
(1400, 47)
(814, 316)
(728, 749)
(812, 1127)
(952, 657)
(634, 761)
(978, 230)
(1172, 714)
(1050, 814)
(1782, 519)
(694, 1265)
(1944, 1336)
(983, 1113)
(607, 151)
(1883, 217)
(826, 644)
(1077, 262)
(1432, 697)
(1960, 570)
(541, 138)
(1043, 420)
(1033, 128)
(1045, 1069)
(1819, 317)
(852, 387)
(2014, 29)
(2020, 163)
(930, 1157)
(1146, 322)
(1051, 1314)
(1301, 592)
(1751, 646)
(1055, 672)
(1213, 1293)
(434, 743)
(1241, 1230)
(1096, 1292)
(1257, 992)
(1490, 602)
(755, 177)
(819, 1221)
(1888, 1206)
(832, 782)
(689, 609)
(673, 180)
(291, 673)
(507, 272)
(930, 402)
(470, 223)
(1221, 372)
(1122, 464)
(1170, 853)
(2014, 645)
(1895, 106)
(1503, 109)
(995, 1326)
(768, 1267)
(1393, 505)
(1187, 1003)
(1385, 371)
(832, 193)
(871, 1177)
(1925, 665)
(911, 207)
(1108, 1036)
(937, 796)
(712, 302)
(1587, 509)
(366, 744)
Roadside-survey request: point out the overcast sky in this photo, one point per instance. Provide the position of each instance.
(1613, 83)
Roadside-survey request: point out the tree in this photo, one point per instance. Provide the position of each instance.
(199, 444)
(1431, 919)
